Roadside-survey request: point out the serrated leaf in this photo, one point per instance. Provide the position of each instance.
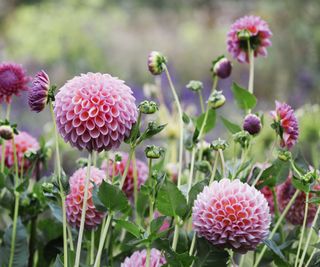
(231, 127)
(244, 99)
(210, 122)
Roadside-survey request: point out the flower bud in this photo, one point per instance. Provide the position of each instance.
(203, 166)
(309, 177)
(244, 35)
(6, 132)
(195, 86)
(156, 62)
(216, 100)
(222, 67)
(219, 144)
(47, 187)
(284, 155)
(154, 152)
(252, 124)
(148, 107)
(243, 138)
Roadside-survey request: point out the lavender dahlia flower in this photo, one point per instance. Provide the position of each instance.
(252, 124)
(231, 214)
(38, 92)
(258, 33)
(286, 124)
(95, 111)
(13, 80)
(138, 259)
(74, 199)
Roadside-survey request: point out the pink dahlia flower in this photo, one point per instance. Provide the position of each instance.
(119, 167)
(95, 111)
(74, 199)
(286, 124)
(259, 37)
(24, 143)
(295, 214)
(38, 92)
(13, 80)
(231, 214)
(138, 259)
(166, 223)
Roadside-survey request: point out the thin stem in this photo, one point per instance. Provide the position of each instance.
(124, 175)
(303, 229)
(8, 111)
(193, 243)
(201, 101)
(284, 213)
(306, 245)
(215, 165)
(102, 239)
(311, 256)
(135, 185)
(3, 148)
(70, 238)
(251, 72)
(83, 213)
(223, 172)
(92, 248)
(175, 96)
(148, 256)
(62, 196)
(150, 214)
(193, 155)
(175, 237)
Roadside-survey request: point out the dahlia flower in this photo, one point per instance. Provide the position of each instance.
(231, 214)
(118, 169)
(295, 215)
(257, 32)
(74, 199)
(252, 124)
(38, 92)
(13, 80)
(286, 124)
(95, 111)
(138, 259)
(24, 143)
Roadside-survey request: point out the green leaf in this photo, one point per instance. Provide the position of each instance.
(275, 249)
(210, 122)
(113, 198)
(277, 173)
(130, 227)
(156, 224)
(185, 118)
(96, 200)
(231, 127)
(194, 191)
(315, 261)
(170, 200)
(21, 251)
(244, 99)
(56, 211)
(297, 183)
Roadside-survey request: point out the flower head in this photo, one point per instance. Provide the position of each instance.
(231, 214)
(74, 199)
(248, 29)
(295, 215)
(13, 80)
(138, 259)
(286, 124)
(119, 167)
(39, 91)
(95, 111)
(155, 62)
(24, 143)
(252, 124)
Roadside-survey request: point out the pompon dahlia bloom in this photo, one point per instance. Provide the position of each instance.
(38, 92)
(138, 259)
(74, 199)
(295, 215)
(13, 80)
(258, 33)
(231, 214)
(286, 124)
(119, 167)
(95, 111)
(24, 143)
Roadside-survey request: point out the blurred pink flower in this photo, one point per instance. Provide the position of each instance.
(95, 111)
(74, 199)
(266, 191)
(138, 259)
(231, 214)
(259, 37)
(13, 80)
(24, 143)
(286, 124)
(166, 223)
(119, 167)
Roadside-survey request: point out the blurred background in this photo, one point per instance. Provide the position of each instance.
(69, 37)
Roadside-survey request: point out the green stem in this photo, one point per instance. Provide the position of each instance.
(62, 196)
(175, 96)
(201, 101)
(309, 237)
(151, 199)
(70, 238)
(83, 213)
(124, 175)
(32, 241)
(193, 243)
(214, 170)
(92, 248)
(175, 237)
(303, 229)
(193, 155)
(284, 213)
(135, 186)
(102, 239)
(251, 72)
(3, 148)
(223, 172)
(311, 256)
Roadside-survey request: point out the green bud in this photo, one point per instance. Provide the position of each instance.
(203, 166)
(156, 62)
(154, 152)
(117, 158)
(216, 100)
(243, 138)
(6, 132)
(309, 177)
(195, 86)
(148, 107)
(244, 35)
(284, 155)
(47, 187)
(219, 144)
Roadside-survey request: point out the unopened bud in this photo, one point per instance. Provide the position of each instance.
(156, 62)
(252, 124)
(284, 155)
(222, 67)
(243, 138)
(6, 132)
(216, 100)
(195, 86)
(148, 107)
(154, 152)
(219, 144)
